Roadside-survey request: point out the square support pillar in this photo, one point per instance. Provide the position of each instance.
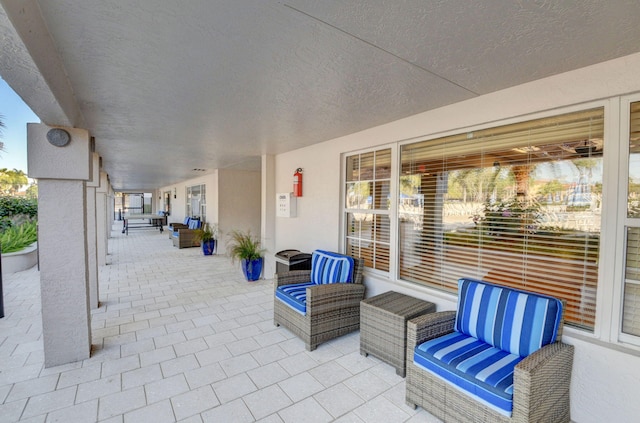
(92, 239)
(103, 225)
(60, 160)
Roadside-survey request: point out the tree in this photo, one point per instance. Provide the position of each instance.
(12, 180)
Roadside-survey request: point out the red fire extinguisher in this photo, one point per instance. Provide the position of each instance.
(297, 183)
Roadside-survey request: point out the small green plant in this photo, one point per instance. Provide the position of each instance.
(242, 245)
(17, 238)
(208, 232)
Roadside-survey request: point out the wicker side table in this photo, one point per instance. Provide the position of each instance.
(383, 326)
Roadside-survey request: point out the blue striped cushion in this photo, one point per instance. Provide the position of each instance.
(483, 371)
(294, 295)
(518, 322)
(328, 267)
(194, 224)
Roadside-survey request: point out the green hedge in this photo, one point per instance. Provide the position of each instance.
(16, 210)
(13, 206)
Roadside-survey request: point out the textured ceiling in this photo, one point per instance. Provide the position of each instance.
(166, 87)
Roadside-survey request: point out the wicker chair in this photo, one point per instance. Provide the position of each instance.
(332, 309)
(174, 226)
(540, 381)
(185, 238)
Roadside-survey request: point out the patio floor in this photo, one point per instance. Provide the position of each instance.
(183, 337)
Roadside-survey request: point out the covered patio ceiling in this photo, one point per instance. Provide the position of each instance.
(170, 88)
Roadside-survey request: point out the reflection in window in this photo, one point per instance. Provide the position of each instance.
(517, 205)
(367, 203)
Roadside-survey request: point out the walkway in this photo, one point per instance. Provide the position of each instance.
(182, 337)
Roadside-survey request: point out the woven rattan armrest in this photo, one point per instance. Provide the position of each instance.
(333, 296)
(429, 326)
(175, 226)
(292, 277)
(533, 393)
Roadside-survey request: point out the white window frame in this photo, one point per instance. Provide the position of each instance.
(392, 212)
(616, 333)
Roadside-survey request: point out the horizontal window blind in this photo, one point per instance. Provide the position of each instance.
(367, 204)
(633, 200)
(631, 306)
(517, 205)
(631, 303)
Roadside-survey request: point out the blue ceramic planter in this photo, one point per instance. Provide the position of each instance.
(208, 247)
(252, 269)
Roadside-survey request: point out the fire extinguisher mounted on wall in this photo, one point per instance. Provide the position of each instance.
(297, 183)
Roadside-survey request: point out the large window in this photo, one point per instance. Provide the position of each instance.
(518, 205)
(631, 305)
(367, 204)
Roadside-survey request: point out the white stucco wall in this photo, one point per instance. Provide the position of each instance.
(604, 378)
(239, 204)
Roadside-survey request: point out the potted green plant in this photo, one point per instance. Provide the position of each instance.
(246, 248)
(207, 235)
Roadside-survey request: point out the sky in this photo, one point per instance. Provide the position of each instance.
(15, 115)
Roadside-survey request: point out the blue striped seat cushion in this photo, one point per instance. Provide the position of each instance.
(515, 321)
(481, 370)
(294, 295)
(328, 267)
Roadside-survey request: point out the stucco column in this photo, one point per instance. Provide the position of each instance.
(60, 160)
(268, 213)
(92, 240)
(103, 225)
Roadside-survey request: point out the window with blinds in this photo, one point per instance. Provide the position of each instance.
(518, 205)
(367, 204)
(631, 303)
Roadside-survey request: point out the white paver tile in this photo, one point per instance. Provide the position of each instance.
(160, 412)
(367, 385)
(268, 374)
(194, 402)
(234, 411)
(338, 399)
(121, 402)
(267, 401)
(98, 388)
(32, 387)
(85, 412)
(234, 387)
(141, 376)
(179, 365)
(300, 386)
(166, 388)
(51, 401)
(235, 365)
(381, 410)
(78, 376)
(308, 411)
(204, 375)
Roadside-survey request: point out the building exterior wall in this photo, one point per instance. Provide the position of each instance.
(238, 203)
(601, 365)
